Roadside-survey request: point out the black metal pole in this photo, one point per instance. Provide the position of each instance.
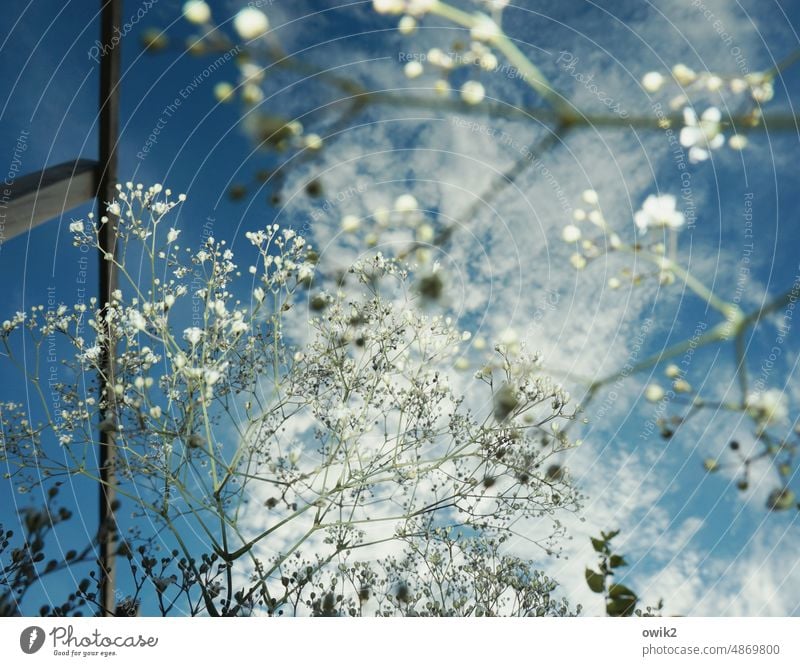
(111, 20)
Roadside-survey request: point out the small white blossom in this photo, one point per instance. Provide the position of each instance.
(407, 25)
(413, 69)
(193, 335)
(701, 135)
(250, 23)
(136, 320)
(76, 227)
(653, 393)
(683, 74)
(571, 234)
(313, 141)
(714, 83)
(659, 211)
(439, 58)
(252, 94)
(488, 62)
(738, 142)
(197, 11)
(652, 81)
(223, 92)
(406, 203)
(682, 386)
(172, 236)
(350, 224)
(485, 29)
(578, 261)
(388, 6)
(473, 92)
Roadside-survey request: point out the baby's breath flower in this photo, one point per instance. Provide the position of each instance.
(136, 320)
(714, 83)
(653, 393)
(659, 211)
(441, 87)
(350, 224)
(682, 386)
(405, 203)
(389, 6)
(701, 135)
(407, 25)
(193, 335)
(413, 69)
(578, 261)
(223, 92)
(488, 62)
(313, 141)
(473, 92)
(571, 234)
(425, 233)
(485, 29)
(197, 11)
(738, 142)
(439, 58)
(252, 94)
(250, 23)
(652, 81)
(683, 74)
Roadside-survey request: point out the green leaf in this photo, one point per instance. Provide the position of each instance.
(595, 581)
(621, 607)
(618, 591)
(617, 561)
(598, 545)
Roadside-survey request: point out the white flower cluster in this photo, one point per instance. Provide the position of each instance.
(593, 237)
(703, 134)
(589, 216)
(478, 56)
(759, 85)
(659, 211)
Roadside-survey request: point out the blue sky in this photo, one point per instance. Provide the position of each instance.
(692, 538)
